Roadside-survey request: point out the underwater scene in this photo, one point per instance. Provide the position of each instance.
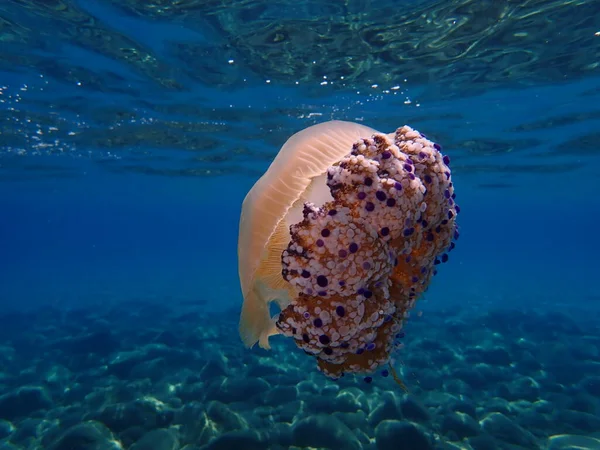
(299, 224)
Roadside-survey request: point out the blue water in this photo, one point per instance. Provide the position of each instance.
(74, 231)
(124, 160)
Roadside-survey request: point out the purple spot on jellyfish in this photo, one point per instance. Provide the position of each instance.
(322, 281)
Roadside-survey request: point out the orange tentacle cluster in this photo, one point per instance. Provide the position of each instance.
(359, 263)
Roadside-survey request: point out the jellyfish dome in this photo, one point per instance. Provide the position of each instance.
(344, 232)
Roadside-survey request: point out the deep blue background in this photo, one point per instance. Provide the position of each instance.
(109, 237)
(528, 227)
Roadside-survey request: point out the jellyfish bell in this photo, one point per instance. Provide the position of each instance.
(296, 176)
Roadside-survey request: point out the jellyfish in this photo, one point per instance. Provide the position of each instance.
(344, 232)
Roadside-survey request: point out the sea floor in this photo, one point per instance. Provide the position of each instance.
(144, 376)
